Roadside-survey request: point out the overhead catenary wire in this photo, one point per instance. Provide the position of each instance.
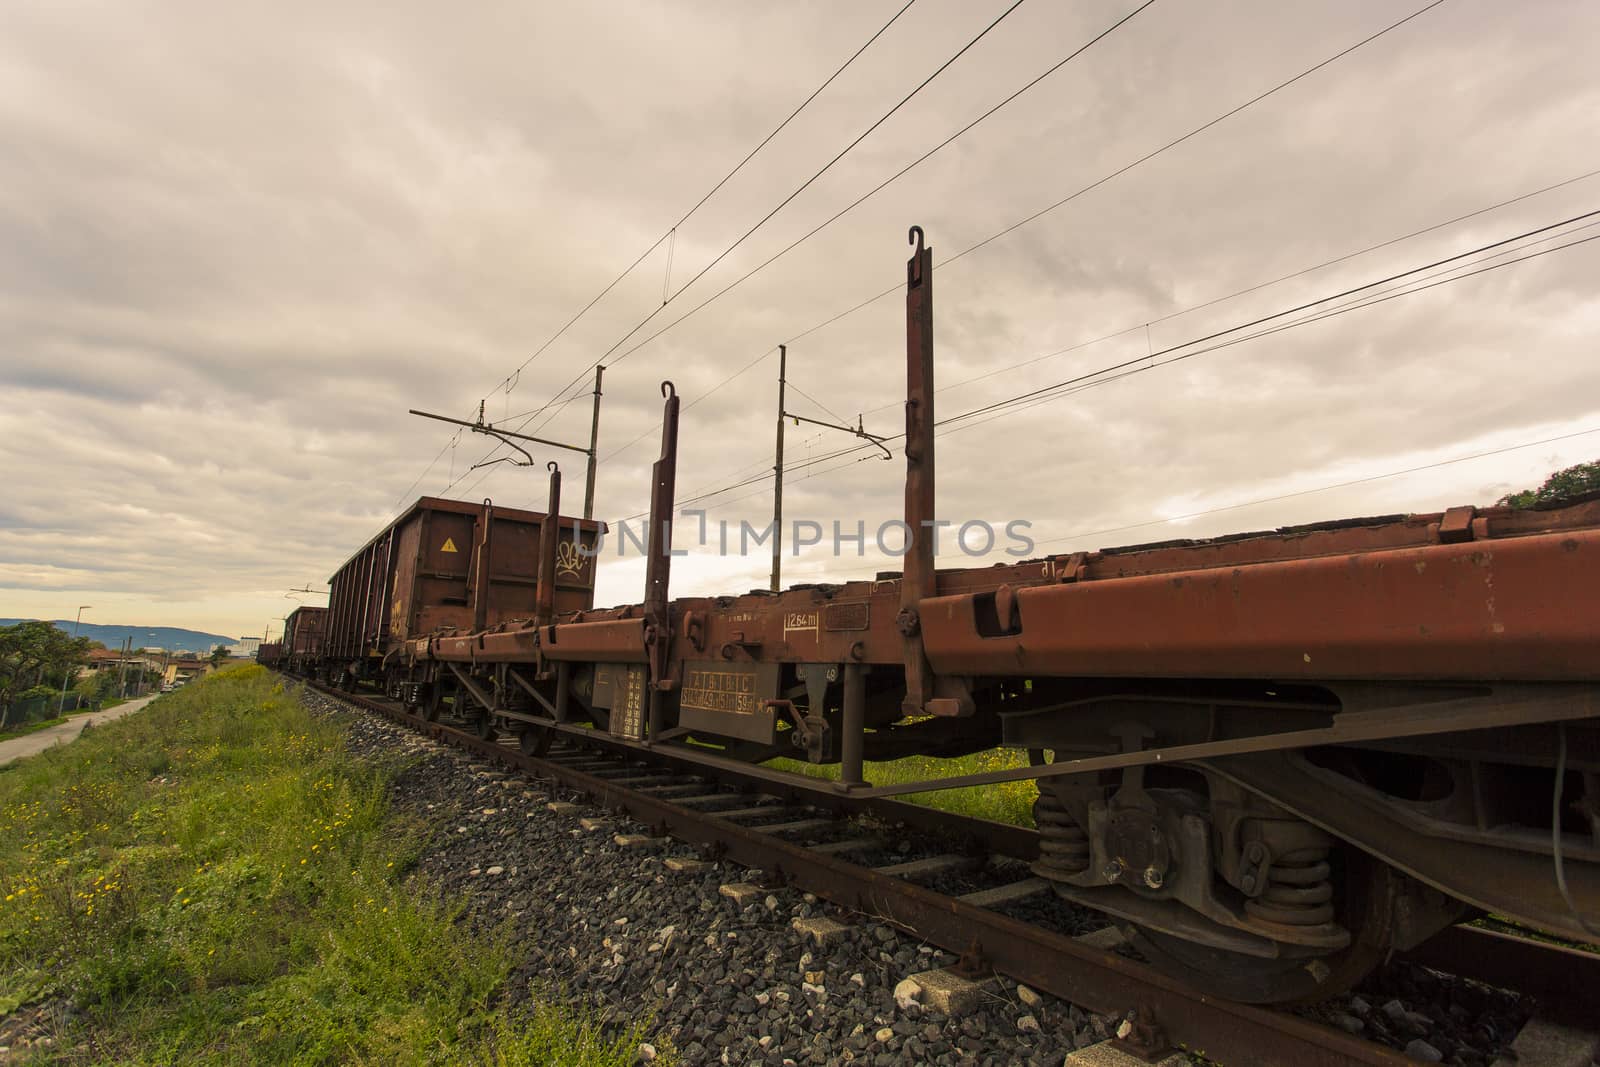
(509, 381)
(1348, 483)
(861, 305)
(1051, 207)
(826, 409)
(1145, 362)
(603, 358)
(807, 183)
(1116, 333)
(1289, 311)
(1257, 287)
(698, 204)
(1113, 334)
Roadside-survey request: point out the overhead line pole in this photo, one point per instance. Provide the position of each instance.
(777, 478)
(510, 437)
(594, 441)
(858, 430)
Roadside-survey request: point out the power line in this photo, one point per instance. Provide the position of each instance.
(449, 443)
(1108, 336)
(1077, 346)
(643, 322)
(1059, 203)
(1052, 207)
(875, 190)
(1320, 488)
(711, 192)
(803, 186)
(1309, 492)
(1369, 300)
(1129, 367)
(1151, 356)
(817, 402)
(508, 382)
(1239, 292)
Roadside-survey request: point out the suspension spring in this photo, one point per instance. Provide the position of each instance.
(1063, 844)
(1299, 891)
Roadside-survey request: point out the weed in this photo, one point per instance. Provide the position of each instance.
(1010, 802)
(214, 880)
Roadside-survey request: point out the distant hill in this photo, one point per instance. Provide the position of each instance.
(171, 638)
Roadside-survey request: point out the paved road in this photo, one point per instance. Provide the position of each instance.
(36, 742)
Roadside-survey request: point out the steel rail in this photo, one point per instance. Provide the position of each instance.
(1091, 978)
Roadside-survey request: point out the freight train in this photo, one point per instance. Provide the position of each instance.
(1275, 758)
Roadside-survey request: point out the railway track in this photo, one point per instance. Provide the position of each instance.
(741, 815)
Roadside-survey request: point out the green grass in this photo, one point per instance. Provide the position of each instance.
(212, 879)
(1010, 802)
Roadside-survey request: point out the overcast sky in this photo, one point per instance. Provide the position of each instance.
(238, 241)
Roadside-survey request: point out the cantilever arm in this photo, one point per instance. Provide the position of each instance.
(857, 430)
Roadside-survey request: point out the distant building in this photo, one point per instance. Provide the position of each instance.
(181, 670)
(244, 648)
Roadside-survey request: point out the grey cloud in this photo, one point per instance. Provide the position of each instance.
(237, 243)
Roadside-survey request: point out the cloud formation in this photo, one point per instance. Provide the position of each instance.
(237, 243)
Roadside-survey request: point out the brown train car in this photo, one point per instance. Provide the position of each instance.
(270, 654)
(302, 637)
(442, 566)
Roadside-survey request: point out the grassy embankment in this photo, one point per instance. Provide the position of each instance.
(1010, 802)
(214, 880)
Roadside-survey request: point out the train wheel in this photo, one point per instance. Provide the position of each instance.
(484, 725)
(435, 700)
(1368, 892)
(529, 740)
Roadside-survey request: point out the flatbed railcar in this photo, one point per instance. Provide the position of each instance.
(1275, 758)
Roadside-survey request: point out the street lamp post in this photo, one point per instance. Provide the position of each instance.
(67, 675)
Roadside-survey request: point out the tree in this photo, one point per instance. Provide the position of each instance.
(1573, 481)
(219, 654)
(31, 652)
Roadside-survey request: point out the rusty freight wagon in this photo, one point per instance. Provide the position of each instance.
(446, 566)
(302, 638)
(270, 654)
(1275, 758)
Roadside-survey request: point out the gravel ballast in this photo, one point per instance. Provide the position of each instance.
(611, 928)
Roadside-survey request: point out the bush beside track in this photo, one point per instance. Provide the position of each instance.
(216, 879)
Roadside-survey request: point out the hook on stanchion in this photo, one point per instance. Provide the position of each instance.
(552, 466)
(668, 389)
(914, 265)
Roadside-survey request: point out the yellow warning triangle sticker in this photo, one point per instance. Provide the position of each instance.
(449, 545)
